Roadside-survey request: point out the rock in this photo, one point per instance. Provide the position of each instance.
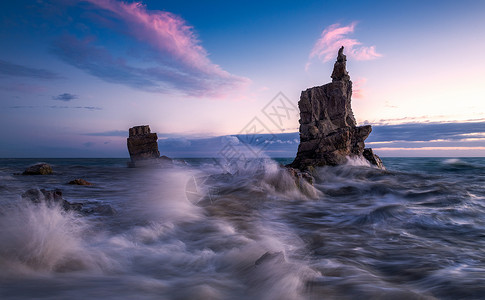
(37, 196)
(373, 158)
(143, 148)
(80, 181)
(328, 130)
(300, 175)
(99, 209)
(142, 144)
(54, 198)
(340, 68)
(38, 169)
(50, 198)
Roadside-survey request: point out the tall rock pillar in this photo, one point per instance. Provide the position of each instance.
(142, 144)
(328, 131)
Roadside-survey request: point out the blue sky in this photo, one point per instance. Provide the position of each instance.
(75, 75)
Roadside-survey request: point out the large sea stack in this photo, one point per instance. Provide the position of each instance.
(328, 131)
(143, 147)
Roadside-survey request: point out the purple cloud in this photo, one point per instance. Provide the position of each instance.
(66, 97)
(335, 36)
(11, 69)
(173, 59)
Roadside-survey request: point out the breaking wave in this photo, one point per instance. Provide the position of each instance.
(208, 231)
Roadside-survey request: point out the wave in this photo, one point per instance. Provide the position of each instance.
(460, 164)
(44, 238)
(247, 230)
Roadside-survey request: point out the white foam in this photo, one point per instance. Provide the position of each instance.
(357, 161)
(44, 238)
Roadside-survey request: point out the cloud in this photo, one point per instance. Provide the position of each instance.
(56, 107)
(88, 107)
(65, 97)
(335, 36)
(423, 136)
(121, 133)
(358, 91)
(175, 142)
(22, 106)
(76, 107)
(172, 57)
(285, 145)
(413, 132)
(124, 133)
(229, 139)
(11, 69)
(432, 148)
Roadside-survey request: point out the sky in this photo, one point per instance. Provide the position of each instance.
(75, 75)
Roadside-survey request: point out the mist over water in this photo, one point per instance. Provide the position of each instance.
(195, 231)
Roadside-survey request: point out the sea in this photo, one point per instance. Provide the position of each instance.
(207, 229)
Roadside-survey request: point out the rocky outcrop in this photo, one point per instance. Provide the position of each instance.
(50, 198)
(142, 144)
(328, 130)
(80, 181)
(143, 148)
(371, 157)
(38, 169)
(53, 198)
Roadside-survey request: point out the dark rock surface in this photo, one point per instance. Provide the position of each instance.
(142, 144)
(38, 169)
(54, 198)
(143, 148)
(328, 131)
(80, 181)
(373, 158)
(95, 208)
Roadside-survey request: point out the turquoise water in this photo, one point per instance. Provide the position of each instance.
(206, 230)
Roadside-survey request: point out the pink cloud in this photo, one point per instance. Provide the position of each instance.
(358, 92)
(335, 36)
(429, 148)
(172, 45)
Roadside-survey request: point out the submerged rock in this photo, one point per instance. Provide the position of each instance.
(80, 181)
(143, 148)
(38, 169)
(53, 197)
(328, 130)
(96, 208)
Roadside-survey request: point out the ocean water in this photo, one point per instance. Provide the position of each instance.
(205, 230)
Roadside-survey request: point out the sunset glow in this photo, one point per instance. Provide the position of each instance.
(71, 72)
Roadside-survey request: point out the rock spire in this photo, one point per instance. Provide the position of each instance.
(142, 143)
(143, 148)
(328, 131)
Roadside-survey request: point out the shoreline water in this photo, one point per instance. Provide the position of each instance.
(413, 231)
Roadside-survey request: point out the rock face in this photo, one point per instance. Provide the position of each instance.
(38, 169)
(143, 148)
(80, 181)
(328, 131)
(53, 197)
(373, 158)
(142, 144)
